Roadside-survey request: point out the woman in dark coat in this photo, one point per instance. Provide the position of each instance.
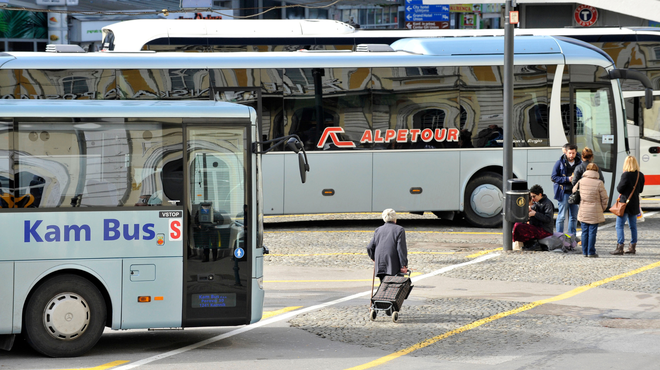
(388, 247)
(631, 175)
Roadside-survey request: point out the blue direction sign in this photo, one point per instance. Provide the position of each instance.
(416, 11)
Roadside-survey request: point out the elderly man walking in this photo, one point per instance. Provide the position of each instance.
(388, 247)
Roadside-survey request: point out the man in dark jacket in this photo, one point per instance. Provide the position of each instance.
(562, 177)
(539, 224)
(388, 247)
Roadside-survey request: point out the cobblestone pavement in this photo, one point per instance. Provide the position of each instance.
(340, 240)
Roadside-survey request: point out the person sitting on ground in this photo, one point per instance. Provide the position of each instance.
(539, 225)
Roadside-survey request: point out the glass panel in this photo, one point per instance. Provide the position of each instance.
(6, 168)
(175, 84)
(218, 262)
(482, 99)
(95, 162)
(418, 103)
(651, 119)
(66, 84)
(594, 123)
(345, 103)
(530, 106)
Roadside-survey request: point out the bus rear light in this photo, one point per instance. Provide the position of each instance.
(415, 190)
(654, 149)
(328, 192)
(144, 299)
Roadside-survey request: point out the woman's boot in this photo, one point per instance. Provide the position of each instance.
(618, 251)
(631, 249)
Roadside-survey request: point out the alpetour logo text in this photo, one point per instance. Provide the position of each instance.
(400, 136)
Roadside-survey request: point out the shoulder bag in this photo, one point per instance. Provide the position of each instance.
(574, 198)
(619, 208)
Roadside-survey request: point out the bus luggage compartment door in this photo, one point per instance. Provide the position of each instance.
(152, 293)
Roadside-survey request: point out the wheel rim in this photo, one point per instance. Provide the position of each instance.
(487, 200)
(66, 316)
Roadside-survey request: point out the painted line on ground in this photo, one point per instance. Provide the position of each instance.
(341, 254)
(288, 315)
(269, 314)
(414, 274)
(104, 366)
(408, 231)
(500, 315)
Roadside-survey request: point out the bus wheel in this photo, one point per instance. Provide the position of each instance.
(484, 200)
(64, 317)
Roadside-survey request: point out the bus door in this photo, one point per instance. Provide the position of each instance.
(593, 125)
(644, 134)
(217, 275)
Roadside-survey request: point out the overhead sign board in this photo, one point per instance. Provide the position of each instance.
(417, 11)
(427, 25)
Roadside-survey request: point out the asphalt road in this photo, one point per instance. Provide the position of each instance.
(473, 307)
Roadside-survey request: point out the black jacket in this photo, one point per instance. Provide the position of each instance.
(579, 171)
(388, 249)
(545, 211)
(625, 186)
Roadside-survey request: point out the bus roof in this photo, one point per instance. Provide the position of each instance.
(133, 35)
(410, 53)
(123, 108)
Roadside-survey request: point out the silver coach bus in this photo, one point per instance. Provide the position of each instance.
(415, 126)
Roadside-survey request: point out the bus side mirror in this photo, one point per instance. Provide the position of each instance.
(295, 144)
(648, 98)
(302, 166)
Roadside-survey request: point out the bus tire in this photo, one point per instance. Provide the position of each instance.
(64, 317)
(484, 200)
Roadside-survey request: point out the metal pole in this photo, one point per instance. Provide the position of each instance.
(507, 171)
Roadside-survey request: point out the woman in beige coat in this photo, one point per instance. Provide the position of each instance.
(593, 201)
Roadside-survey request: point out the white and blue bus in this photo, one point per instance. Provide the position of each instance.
(127, 215)
(415, 126)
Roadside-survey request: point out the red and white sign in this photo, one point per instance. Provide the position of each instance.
(586, 16)
(175, 232)
(513, 17)
(400, 136)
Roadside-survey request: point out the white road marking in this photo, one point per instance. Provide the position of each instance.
(287, 316)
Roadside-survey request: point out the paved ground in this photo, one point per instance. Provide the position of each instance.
(617, 322)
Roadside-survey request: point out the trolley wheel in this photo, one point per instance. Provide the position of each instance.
(372, 315)
(395, 316)
(65, 316)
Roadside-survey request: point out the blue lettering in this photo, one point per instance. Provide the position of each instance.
(110, 229)
(77, 230)
(31, 231)
(149, 234)
(136, 232)
(53, 235)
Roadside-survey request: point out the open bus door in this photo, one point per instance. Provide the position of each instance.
(644, 137)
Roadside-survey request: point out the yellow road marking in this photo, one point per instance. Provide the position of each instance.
(328, 281)
(104, 366)
(341, 254)
(500, 315)
(269, 314)
(479, 254)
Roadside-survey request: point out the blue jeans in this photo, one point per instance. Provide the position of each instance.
(589, 232)
(572, 210)
(632, 222)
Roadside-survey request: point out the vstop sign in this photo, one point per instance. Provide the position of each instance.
(586, 16)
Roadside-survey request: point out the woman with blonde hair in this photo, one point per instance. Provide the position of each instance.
(630, 185)
(593, 201)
